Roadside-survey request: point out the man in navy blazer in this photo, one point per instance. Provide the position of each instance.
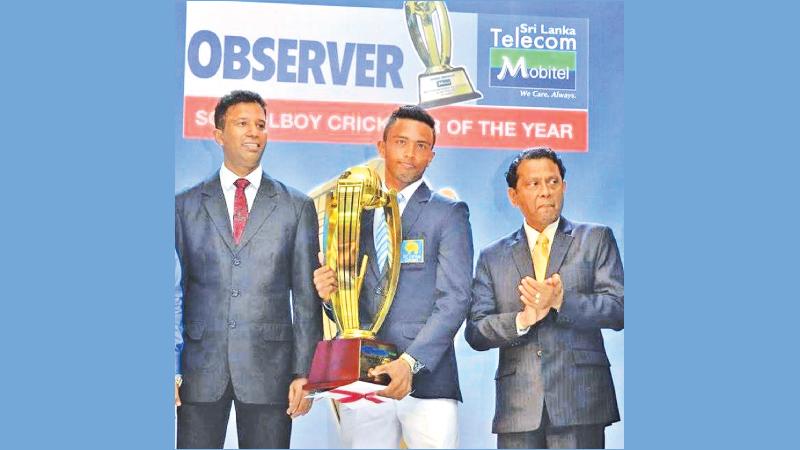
(429, 306)
(246, 242)
(554, 386)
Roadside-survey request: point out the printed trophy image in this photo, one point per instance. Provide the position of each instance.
(347, 358)
(441, 84)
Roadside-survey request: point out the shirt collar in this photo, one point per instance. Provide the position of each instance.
(409, 190)
(532, 234)
(227, 177)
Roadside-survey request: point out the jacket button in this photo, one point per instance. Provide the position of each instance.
(232, 324)
(236, 261)
(235, 293)
(539, 353)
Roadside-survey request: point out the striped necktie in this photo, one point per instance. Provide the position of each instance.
(382, 249)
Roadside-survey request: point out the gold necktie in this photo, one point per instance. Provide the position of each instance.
(541, 253)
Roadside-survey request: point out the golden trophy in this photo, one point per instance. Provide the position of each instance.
(348, 357)
(441, 84)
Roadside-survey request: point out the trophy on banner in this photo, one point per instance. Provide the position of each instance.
(441, 84)
(348, 357)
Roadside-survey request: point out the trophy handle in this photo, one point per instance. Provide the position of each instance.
(392, 213)
(360, 278)
(444, 28)
(331, 253)
(416, 36)
(420, 27)
(433, 48)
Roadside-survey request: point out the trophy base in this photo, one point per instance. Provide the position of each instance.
(343, 361)
(445, 88)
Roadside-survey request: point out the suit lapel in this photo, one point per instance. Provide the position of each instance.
(522, 254)
(372, 276)
(561, 242)
(263, 205)
(414, 207)
(214, 203)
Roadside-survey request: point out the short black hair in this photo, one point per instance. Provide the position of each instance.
(533, 153)
(413, 112)
(234, 98)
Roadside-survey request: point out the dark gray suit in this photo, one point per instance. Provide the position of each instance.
(241, 329)
(561, 362)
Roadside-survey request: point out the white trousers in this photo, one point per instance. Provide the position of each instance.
(421, 423)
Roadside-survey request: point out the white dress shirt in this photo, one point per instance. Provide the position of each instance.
(532, 235)
(227, 178)
(406, 194)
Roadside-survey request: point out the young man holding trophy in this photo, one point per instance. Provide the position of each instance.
(430, 302)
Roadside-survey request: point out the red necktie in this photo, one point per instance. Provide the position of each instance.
(239, 209)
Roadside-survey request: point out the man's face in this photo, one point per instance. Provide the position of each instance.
(539, 193)
(243, 137)
(407, 150)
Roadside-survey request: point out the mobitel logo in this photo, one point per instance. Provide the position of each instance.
(524, 68)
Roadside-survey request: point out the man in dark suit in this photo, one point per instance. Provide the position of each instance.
(429, 306)
(542, 294)
(245, 242)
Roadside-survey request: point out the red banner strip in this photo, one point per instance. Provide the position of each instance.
(481, 127)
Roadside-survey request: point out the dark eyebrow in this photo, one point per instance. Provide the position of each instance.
(247, 118)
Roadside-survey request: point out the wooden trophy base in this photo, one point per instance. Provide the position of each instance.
(339, 362)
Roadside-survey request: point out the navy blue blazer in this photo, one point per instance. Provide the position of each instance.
(240, 322)
(432, 296)
(572, 374)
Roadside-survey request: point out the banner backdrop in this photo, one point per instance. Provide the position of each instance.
(522, 74)
(337, 70)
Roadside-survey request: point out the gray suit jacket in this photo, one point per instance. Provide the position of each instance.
(433, 296)
(561, 361)
(239, 322)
